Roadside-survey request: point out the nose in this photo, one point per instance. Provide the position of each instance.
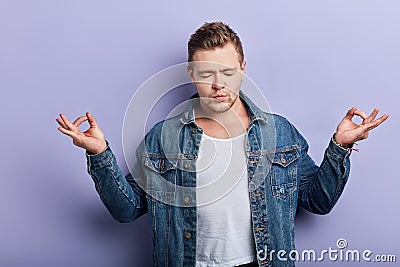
(217, 86)
(218, 83)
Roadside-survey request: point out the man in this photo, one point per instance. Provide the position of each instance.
(255, 217)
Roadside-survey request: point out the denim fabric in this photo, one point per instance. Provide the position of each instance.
(281, 174)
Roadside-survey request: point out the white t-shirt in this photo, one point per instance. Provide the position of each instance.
(224, 226)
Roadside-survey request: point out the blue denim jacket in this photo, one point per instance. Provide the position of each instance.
(281, 176)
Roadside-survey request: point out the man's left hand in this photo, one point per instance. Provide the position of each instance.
(349, 132)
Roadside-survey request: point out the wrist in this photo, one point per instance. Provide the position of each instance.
(100, 149)
(343, 145)
(340, 142)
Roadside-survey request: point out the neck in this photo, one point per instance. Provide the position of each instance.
(228, 124)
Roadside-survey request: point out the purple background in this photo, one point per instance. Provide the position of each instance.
(312, 59)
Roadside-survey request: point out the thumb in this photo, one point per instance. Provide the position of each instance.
(91, 120)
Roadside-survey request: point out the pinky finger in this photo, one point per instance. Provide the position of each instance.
(61, 123)
(381, 119)
(378, 122)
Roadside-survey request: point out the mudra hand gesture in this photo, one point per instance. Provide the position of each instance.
(349, 132)
(92, 139)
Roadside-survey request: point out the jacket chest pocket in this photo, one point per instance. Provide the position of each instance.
(284, 172)
(160, 174)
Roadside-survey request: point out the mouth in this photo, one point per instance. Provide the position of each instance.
(219, 98)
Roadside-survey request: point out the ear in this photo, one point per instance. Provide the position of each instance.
(190, 70)
(243, 67)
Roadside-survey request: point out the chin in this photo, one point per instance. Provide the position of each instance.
(219, 107)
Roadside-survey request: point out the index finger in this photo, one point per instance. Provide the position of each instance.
(361, 114)
(79, 121)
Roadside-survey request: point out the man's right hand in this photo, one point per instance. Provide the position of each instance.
(92, 139)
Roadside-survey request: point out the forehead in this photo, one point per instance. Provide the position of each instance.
(226, 56)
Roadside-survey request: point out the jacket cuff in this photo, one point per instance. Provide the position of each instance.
(338, 151)
(101, 159)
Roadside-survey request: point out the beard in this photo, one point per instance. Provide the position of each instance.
(217, 106)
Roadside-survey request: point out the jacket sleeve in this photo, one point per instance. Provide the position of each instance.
(122, 196)
(320, 187)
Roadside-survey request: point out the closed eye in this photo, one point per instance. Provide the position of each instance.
(205, 74)
(229, 73)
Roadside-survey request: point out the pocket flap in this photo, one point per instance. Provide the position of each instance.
(160, 165)
(286, 157)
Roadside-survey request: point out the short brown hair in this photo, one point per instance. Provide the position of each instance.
(214, 35)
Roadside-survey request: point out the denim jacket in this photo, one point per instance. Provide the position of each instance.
(281, 175)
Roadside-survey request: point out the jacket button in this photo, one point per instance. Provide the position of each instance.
(187, 165)
(186, 200)
(188, 235)
(194, 130)
(283, 160)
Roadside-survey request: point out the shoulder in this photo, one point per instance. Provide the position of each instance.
(279, 119)
(285, 132)
(280, 122)
(171, 125)
(164, 135)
